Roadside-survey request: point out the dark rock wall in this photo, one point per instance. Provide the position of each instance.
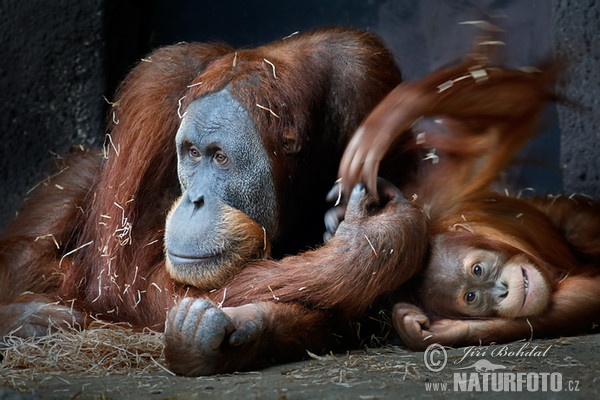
(577, 41)
(51, 83)
(59, 58)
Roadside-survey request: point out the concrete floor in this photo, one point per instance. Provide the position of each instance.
(385, 373)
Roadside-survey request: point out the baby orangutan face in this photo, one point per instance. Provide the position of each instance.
(465, 280)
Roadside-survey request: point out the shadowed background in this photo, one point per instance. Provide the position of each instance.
(61, 60)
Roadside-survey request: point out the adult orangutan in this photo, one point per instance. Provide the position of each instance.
(90, 243)
(255, 137)
(500, 268)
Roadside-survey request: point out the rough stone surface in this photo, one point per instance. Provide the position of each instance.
(384, 373)
(60, 57)
(51, 85)
(576, 37)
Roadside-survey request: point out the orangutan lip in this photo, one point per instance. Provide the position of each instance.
(181, 259)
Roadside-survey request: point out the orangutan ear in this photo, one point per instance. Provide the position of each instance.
(291, 142)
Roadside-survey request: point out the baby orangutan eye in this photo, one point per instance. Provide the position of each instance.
(470, 297)
(477, 269)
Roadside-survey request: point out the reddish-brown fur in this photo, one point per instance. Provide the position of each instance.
(559, 235)
(109, 261)
(488, 114)
(106, 212)
(486, 121)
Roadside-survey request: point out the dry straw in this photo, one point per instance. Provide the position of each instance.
(103, 349)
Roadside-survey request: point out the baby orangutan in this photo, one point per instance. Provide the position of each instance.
(503, 269)
(499, 268)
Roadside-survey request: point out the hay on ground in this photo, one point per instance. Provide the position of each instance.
(103, 349)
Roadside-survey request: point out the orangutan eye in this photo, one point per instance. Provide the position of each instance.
(220, 158)
(477, 269)
(194, 153)
(470, 297)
